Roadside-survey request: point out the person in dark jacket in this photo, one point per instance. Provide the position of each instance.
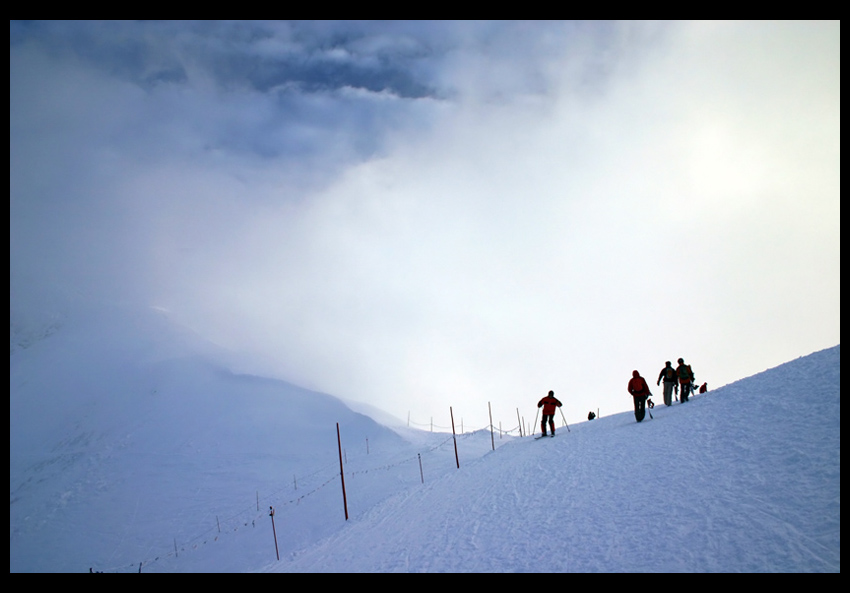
(686, 380)
(548, 403)
(668, 375)
(640, 391)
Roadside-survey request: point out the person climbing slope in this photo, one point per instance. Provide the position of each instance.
(548, 403)
(686, 380)
(668, 375)
(640, 391)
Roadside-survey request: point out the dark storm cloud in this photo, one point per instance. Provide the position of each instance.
(314, 97)
(319, 70)
(115, 48)
(238, 54)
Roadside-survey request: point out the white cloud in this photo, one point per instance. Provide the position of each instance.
(581, 201)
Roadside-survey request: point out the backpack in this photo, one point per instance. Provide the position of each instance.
(669, 373)
(685, 372)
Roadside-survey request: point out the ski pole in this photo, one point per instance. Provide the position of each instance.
(565, 419)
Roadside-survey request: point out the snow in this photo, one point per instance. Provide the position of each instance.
(135, 445)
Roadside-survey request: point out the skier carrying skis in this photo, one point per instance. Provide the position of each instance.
(668, 375)
(640, 391)
(548, 403)
(686, 379)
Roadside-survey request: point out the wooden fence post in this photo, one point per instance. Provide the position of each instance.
(492, 441)
(341, 471)
(454, 438)
(271, 514)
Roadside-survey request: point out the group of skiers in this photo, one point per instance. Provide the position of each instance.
(679, 380)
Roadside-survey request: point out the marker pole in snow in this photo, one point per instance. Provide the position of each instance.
(492, 440)
(341, 472)
(534, 426)
(457, 461)
(271, 514)
(519, 421)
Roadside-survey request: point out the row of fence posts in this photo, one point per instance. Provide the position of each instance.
(342, 480)
(342, 475)
(523, 430)
(520, 420)
(418, 455)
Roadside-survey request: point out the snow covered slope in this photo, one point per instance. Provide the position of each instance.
(744, 478)
(133, 447)
(129, 441)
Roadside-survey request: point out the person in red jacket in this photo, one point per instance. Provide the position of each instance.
(548, 403)
(640, 391)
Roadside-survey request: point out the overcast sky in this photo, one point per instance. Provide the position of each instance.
(421, 215)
